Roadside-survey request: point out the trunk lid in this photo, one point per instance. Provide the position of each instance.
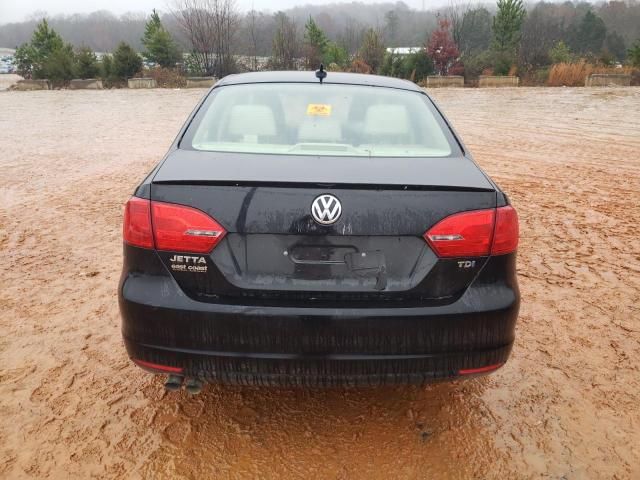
(275, 252)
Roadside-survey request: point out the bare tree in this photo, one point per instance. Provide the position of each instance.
(351, 36)
(372, 49)
(455, 13)
(285, 44)
(209, 26)
(252, 28)
(540, 32)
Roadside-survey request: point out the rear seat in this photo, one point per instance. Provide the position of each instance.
(320, 130)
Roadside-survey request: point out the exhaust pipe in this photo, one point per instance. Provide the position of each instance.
(193, 386)
(173, 383)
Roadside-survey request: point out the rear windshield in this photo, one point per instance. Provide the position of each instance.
(314, 119)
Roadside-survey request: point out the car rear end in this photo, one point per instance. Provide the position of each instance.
(323, 247)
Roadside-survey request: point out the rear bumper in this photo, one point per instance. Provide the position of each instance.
(318, 346)
(323, 370)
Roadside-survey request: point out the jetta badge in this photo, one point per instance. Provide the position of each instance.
(326, 209)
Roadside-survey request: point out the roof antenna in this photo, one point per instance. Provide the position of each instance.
(321, 74)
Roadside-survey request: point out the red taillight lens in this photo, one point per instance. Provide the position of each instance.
(473, 234)
(466, 234)
(177, 228)
(157, 367)
(505, 238)
(476, 371)
(137, 223)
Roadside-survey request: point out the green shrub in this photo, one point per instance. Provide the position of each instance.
(633, 54)
(502, 62)
(335, 54)
(560, 53)
(193, 65)
(59, 66)
(106, 72)
(541, 76)
(392, 65)
(415, 66)
(126, 62)
(475, 64)
(86, 63)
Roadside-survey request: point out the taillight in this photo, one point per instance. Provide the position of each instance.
(156, 367)
(466, 234)
(177, 228)
(169, 227)
(137, 223)
(476, 233)
(476, 371)
(505, 238)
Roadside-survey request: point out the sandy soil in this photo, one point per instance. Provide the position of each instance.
(567, 405)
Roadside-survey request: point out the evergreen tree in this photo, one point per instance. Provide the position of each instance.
(336, 55)
(106, 69)
(614, 43)
(560, 53)
(315, 44)
(590, 34)
(31, 57)
(151, 27)
(507, 25)
(126, 62)
(86, 63)
(507, 30)
(59, 66)
(159, 45)
(417, 66)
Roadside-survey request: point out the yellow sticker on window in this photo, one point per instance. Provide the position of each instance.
(319, 109)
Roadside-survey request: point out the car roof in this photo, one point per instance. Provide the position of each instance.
(310, 77)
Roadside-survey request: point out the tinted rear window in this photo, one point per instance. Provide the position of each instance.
(314, 119)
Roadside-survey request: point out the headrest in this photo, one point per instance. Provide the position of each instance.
(386, 120)
(254, 120)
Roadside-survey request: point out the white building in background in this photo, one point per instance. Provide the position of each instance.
(404, 50)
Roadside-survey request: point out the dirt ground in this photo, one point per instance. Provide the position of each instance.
(8, 79)
(566, 406)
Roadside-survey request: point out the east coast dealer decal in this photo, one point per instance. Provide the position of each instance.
(187, 263)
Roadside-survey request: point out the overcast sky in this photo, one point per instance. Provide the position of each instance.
(17, 10)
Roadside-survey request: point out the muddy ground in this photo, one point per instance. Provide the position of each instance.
(567, 405)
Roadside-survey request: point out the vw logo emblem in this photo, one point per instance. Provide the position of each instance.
(326, 209)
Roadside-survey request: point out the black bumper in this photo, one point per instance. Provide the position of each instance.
(318, 346)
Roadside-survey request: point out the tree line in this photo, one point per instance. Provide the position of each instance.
(212, 37)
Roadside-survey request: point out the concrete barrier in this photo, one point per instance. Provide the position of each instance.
(201, 82)
(141, 83)
(438, 81)
(85, 84)
(27, 85)
(607, 80)
(488, 81)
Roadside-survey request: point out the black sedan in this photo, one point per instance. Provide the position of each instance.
(304, 230)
